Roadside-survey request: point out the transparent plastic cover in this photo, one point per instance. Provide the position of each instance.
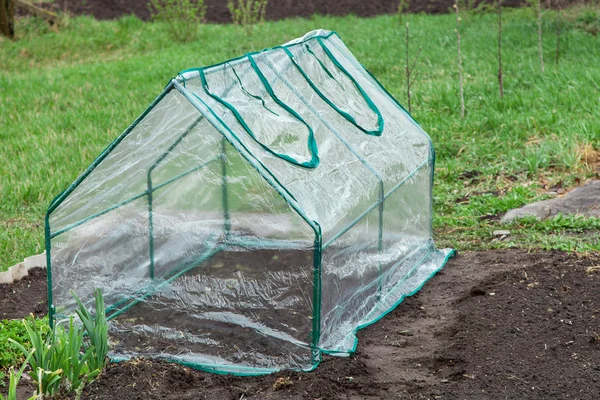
(254, 217)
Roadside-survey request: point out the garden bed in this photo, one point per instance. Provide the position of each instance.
(494, 325)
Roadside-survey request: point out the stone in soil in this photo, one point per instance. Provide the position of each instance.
(583, 200)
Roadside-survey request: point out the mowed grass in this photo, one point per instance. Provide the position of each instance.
(66, 94)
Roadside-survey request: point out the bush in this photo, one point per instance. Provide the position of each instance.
(181, 16)
(247, 13)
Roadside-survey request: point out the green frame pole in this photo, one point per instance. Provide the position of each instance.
(225, 198)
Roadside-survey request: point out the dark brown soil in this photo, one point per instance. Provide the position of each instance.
(277, 9)
(29, 295)
(490, 325)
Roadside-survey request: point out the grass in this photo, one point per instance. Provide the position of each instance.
(66, 94)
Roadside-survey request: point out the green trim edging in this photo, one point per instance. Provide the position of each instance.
(251, 371)
(233, 370)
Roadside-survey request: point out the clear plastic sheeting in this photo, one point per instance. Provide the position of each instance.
(254, 217)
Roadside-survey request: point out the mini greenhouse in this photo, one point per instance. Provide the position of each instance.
(254, 217)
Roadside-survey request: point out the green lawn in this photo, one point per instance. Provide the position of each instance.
(66, 95)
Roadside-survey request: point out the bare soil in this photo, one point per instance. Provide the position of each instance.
(490, 325)
(26, 296)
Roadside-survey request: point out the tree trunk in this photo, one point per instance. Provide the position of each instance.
(7, 18)
(558, 27)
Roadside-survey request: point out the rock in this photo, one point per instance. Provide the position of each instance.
(501, 233)
(583, 200)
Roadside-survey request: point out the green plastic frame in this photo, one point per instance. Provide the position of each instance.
(228, 136)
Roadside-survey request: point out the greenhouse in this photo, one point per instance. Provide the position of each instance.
(256, 216)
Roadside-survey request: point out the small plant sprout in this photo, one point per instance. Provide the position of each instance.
(14, 378)
(403, 6)
(96, 328)
(559, 23)
(62, 362)
(46, 358)
(537, 6)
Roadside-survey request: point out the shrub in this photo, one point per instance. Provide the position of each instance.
(181, 16)
(247, 13)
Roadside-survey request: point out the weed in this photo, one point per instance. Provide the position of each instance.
(46, 361)
(96, 328)
(14, 378)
